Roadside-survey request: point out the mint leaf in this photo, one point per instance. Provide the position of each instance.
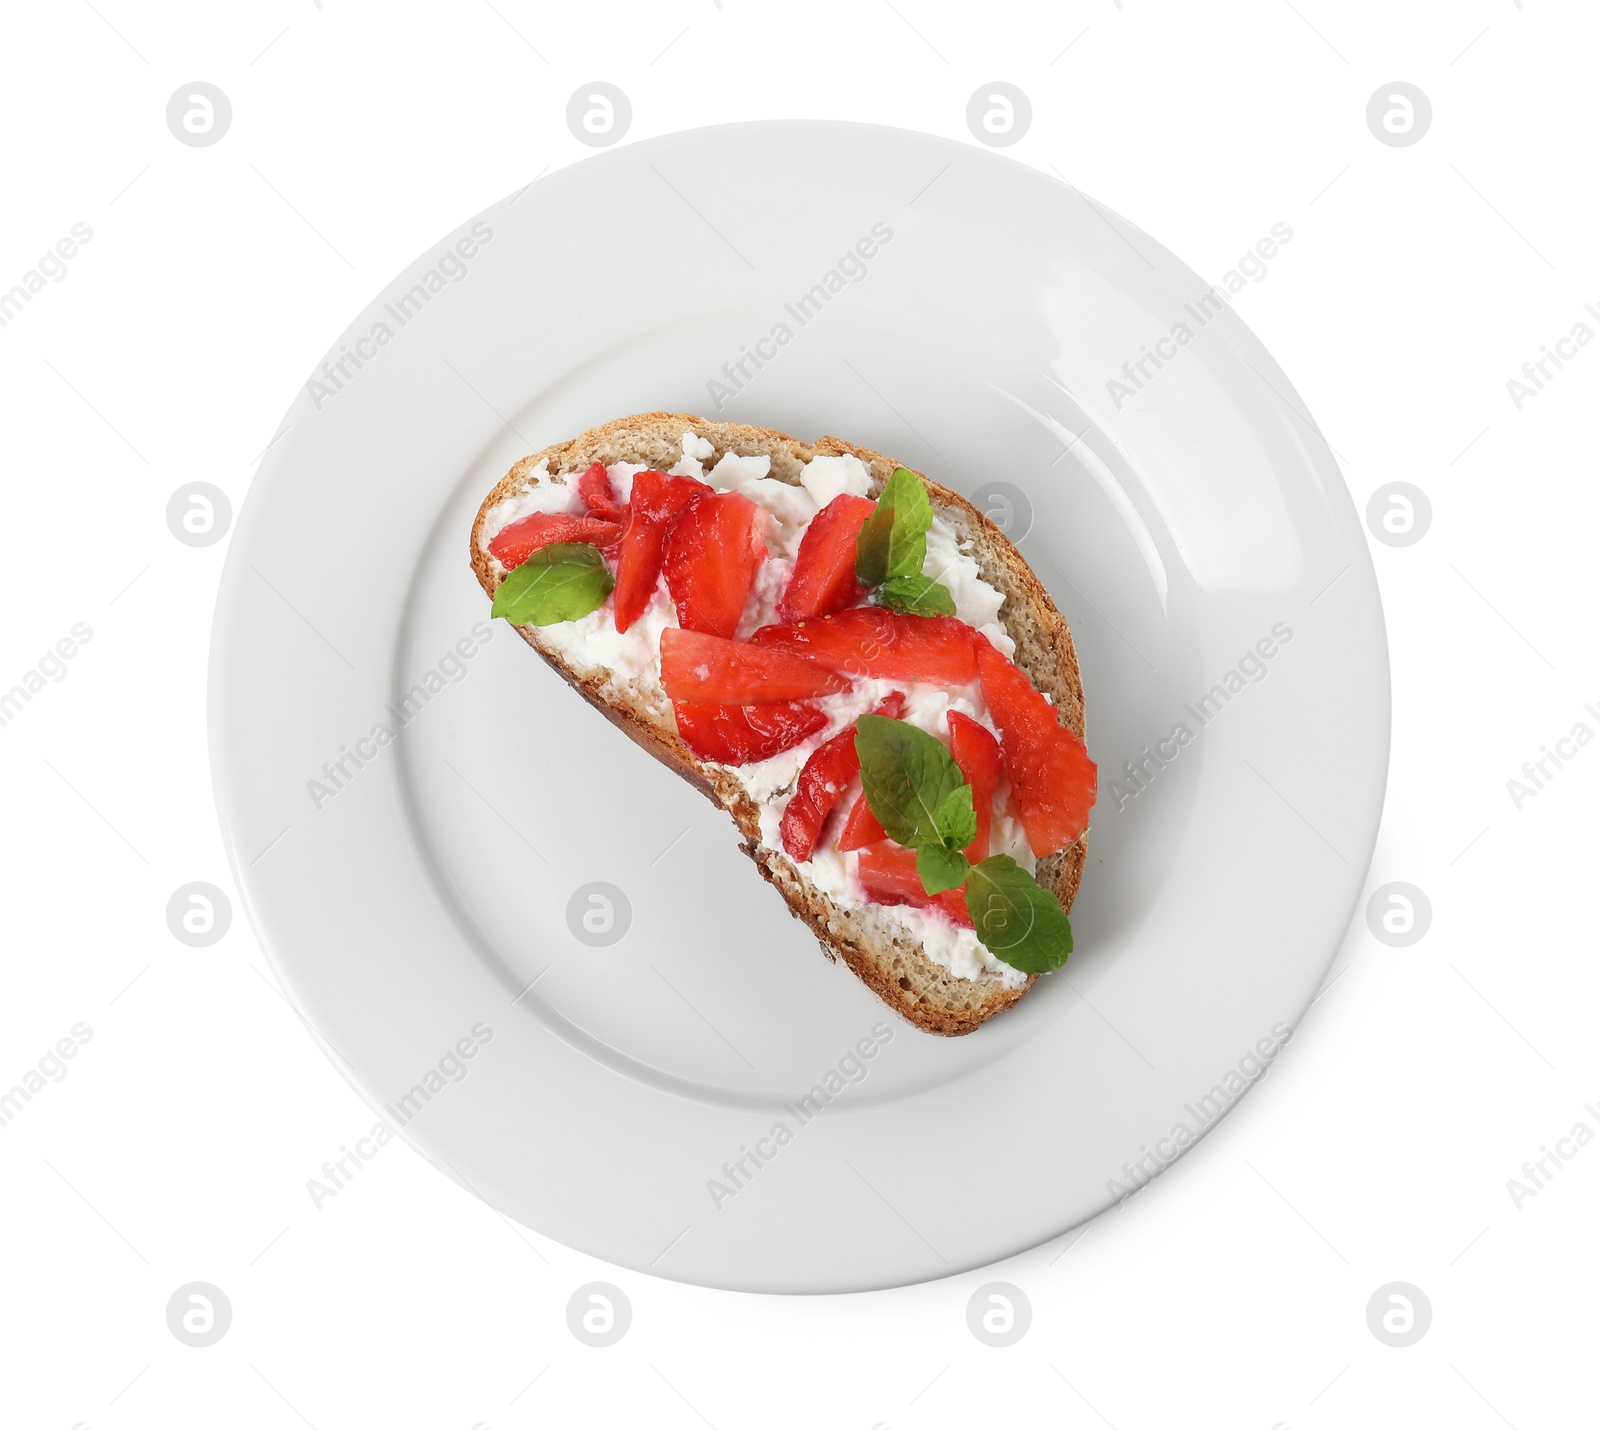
(956, 819)
(894, 539)
(559, 582)
(1017, 921)
(913, 516)
(909, 778)
(940, 868)
(915, 596)
(872, 546)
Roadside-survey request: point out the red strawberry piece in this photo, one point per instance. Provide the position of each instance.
(1052, 777)
(977, 752)
(861, 827)
(596, 494)
(515, 543)
(743, 734)
(656, 499)
(881, 644)
(706, 668)
(821, 786)
(888, 875)
(712, 551)
(823, 782)
(824, 576)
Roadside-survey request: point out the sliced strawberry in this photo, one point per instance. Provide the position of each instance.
(882, 644)
(823, 782)
(700, 667)
(1052, 776)
(824, 576)
(594, 491)
(861, 827)
(713, 549)
(977, 752)
(888, 875)
(517, 542)
(743, 734)
(892, 706)
(656, 499)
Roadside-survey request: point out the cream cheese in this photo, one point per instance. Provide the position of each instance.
(592, 645)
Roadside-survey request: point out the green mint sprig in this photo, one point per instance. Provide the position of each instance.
(916, 791)
(893, 541)
(559, 582)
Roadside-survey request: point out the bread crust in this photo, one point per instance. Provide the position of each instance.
(877, 951)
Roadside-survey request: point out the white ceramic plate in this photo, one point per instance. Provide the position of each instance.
(1176, 527)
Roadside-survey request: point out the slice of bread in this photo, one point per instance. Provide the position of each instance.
(877, 949)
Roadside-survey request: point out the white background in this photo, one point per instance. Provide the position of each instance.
(1232, 1292)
